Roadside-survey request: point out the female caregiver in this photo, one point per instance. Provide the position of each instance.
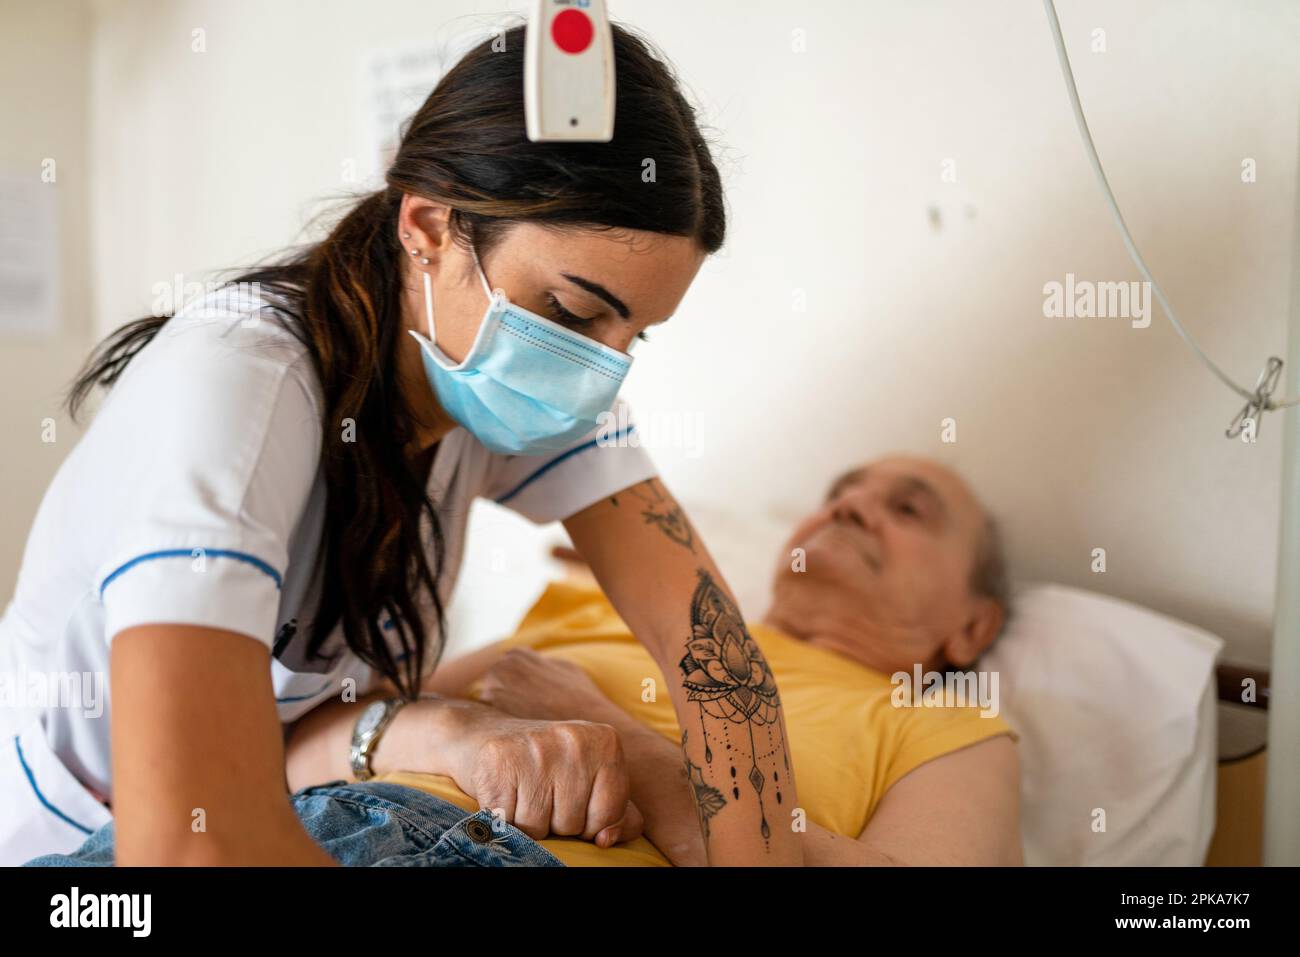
(255, 540)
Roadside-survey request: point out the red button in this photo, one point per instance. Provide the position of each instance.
(572, 31)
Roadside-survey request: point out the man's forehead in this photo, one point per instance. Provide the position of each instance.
(942, 481)
(850, 477)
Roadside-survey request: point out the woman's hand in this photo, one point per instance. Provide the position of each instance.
(530, 685)
(566, 778)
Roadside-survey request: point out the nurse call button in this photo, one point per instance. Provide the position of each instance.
(572, 31)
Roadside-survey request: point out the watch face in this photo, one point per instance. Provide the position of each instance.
(370, 718)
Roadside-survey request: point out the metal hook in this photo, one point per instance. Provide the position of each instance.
(1261, 401)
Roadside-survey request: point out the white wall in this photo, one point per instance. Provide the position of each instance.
(923, 297)
(44, 79)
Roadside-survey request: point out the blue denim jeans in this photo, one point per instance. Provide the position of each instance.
(376, 825)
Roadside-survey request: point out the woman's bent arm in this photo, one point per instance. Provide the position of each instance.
(426, 736)
(545, 777)
(198, 753)
(663, 583)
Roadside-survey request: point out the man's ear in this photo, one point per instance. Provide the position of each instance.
(981, 628)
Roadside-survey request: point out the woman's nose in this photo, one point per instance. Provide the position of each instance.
(617, 339)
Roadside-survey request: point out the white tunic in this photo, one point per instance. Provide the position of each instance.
(197, 497)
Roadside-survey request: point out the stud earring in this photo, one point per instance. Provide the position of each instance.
(406, 235)
(425, 260)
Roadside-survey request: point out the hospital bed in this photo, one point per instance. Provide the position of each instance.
(1243, 733)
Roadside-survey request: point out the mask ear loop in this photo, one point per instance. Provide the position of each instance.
(428, 295)
(482, 275)
(428, 308)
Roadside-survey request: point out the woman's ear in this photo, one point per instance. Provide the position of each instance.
(981, 629)
(423, 229)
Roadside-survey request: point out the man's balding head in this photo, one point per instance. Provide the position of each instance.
(900, 565)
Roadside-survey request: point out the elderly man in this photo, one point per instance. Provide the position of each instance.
(900, 567)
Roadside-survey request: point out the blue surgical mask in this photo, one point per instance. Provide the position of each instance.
(528, 385)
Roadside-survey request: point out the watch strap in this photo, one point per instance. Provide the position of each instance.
(363, 745)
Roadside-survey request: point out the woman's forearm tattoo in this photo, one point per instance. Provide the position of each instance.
(708, 799)
(725, 674)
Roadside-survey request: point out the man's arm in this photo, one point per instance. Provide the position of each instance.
(660, 578)
(962, 808)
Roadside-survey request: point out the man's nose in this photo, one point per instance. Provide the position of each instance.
(860, 509)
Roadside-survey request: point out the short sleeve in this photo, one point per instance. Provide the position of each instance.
(933, 732)
(551, 488)
(213, 444)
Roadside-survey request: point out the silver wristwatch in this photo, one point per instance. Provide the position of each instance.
(374, 721)
(367, 732)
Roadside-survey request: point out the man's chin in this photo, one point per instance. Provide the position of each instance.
(839, 550)
(837, 569)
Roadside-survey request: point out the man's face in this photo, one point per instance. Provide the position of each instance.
(891, 550)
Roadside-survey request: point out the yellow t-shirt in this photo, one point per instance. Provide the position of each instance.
(847, 741)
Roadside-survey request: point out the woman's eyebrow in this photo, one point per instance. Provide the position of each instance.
(596, 289)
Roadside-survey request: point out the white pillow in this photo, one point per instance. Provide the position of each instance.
(1115, 708)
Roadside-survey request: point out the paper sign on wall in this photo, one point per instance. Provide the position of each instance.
(397, 81)
(29, 257)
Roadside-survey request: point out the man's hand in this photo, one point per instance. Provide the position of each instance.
(530, 685)
(566, 778)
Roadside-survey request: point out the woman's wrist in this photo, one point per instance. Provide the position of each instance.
(431, 736)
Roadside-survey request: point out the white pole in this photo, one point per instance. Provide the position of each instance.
(1282, 791)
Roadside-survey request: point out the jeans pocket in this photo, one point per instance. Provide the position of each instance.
(362, 825)
(481, 840)
(377, 824)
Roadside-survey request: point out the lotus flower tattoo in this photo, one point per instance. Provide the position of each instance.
(723, 668)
